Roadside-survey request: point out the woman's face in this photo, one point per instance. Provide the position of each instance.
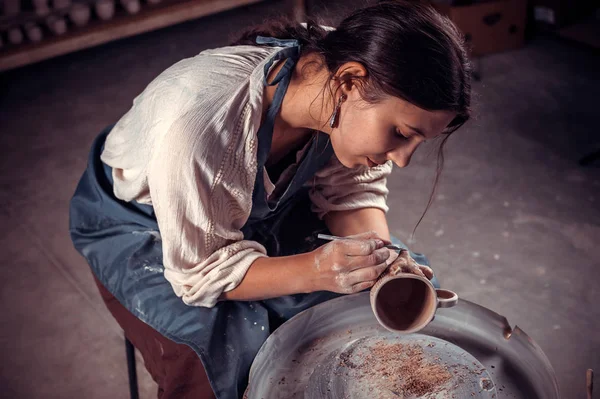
(391, 130)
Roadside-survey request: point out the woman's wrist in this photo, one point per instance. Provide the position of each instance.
(308, 275)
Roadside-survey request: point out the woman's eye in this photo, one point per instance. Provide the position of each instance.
(400, 134)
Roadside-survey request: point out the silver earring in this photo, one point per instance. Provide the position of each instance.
(333, 121)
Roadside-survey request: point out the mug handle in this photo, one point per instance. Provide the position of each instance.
(446, 298)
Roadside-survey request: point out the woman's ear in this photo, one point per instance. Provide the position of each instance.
(350, 74)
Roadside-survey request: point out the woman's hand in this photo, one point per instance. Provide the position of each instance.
(349, 265)
(404, 263)
(343, 266)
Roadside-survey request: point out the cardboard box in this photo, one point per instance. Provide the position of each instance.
(491, 26)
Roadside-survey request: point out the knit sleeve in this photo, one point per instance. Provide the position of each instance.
(338, 188)
(201, 178)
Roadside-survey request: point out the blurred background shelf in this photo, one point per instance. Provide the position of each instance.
(150, 17)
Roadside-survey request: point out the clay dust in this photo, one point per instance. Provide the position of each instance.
(403, 369)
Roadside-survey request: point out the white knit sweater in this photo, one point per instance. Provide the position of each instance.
(188, 148)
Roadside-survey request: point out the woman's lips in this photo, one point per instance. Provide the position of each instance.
(371, 163)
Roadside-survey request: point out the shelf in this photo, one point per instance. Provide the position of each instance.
(150, 17)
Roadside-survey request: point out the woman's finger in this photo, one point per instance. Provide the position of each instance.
(376, 257)
(354, 247)
(393, 256)
(413, 268)
(366, 274)
(362, 286)
(427, 271)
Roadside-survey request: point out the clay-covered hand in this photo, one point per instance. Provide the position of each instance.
(349, 265)
(404, 263)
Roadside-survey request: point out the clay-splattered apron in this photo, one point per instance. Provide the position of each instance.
(122, 243)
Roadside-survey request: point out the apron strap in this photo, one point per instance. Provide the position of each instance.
(290, 53)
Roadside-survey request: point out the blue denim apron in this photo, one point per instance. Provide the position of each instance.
(122, 243)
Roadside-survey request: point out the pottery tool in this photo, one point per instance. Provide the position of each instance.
(589, 382)
(333, 238)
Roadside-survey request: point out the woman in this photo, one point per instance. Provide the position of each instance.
(199, 209)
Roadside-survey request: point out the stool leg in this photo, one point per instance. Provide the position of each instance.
(133, 385)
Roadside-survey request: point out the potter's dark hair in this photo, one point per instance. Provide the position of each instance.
(409, 50)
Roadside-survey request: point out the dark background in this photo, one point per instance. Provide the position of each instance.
(515, 226)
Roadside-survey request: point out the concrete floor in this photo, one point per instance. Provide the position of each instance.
(515, 227)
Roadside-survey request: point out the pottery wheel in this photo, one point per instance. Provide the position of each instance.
(393, 366)
(338, 350)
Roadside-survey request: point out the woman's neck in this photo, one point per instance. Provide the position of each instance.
(302, 110)
(305, 105)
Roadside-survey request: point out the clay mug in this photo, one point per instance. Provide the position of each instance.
(404, 302)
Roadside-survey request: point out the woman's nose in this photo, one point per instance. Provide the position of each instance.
(401, 161)
(401, 156)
